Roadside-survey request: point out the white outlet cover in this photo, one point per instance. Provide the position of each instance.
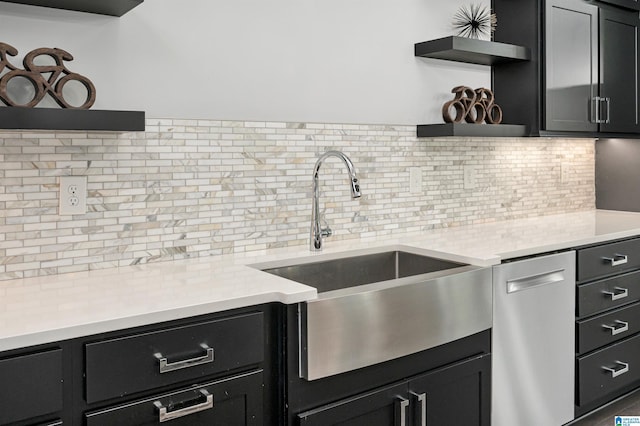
(72, 195)
(415, 180)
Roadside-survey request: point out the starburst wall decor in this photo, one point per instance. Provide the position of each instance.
(474, 21)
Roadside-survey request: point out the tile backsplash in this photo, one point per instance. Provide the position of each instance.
(187, 188)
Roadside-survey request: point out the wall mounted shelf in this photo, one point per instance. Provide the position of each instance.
(462, 49)
(109, 7)
(471, 130)
(17, 118)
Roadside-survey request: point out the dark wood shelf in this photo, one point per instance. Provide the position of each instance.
(471, 130)
(17, 118)
(108, 7)
(462, 49)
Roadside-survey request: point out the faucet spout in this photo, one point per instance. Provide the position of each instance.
(317, 231)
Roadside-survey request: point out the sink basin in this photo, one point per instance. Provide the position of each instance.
(354, 271)
(380, 306)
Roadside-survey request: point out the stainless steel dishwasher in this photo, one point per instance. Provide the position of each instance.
(533, 341)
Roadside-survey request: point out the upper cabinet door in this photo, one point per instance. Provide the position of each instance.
(619, 78)
(571, 66)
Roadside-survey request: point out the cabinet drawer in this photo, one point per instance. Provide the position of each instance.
(608, 328)
(608, 259)
(31, 386)
(607, 370)
(122, 366)
(236, 401)
(609, 293)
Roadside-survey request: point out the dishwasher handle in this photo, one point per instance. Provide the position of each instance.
(532, 281)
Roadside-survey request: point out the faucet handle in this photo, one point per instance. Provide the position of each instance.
(326, 232)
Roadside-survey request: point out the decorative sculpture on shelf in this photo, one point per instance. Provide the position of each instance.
(58, 77)
(473, 106)
(474, 20)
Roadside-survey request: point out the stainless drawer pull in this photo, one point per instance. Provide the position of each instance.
(615, 372)
(404, 405)
(617, 293)
(422, 399)
(617, 259)
(619, 327)
(166, 366)
(526, 283)
(166, 415)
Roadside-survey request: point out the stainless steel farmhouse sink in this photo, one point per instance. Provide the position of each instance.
(383, 305)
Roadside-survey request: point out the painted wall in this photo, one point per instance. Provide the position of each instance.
(289, 60)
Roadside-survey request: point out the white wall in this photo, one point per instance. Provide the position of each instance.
(342, 61)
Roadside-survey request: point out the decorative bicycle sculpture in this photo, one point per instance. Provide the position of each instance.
(472, 106)
(58, 77)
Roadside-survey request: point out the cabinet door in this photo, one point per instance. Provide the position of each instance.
(383, 407)
(459, 394)
(619, 61)
(571, 53)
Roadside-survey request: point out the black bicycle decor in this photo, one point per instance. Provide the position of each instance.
(46, 79)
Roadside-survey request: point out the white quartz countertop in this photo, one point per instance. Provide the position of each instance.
(52, 308)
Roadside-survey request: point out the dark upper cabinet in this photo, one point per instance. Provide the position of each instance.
(111, 7)
(619, 64)
(629, 4)
(583, 77)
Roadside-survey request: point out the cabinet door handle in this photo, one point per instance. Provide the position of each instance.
(165, 415)
(402, 408)
(422, 399)
(617, 293)
(166, 366)
(618, 327)
(617, 371)
(617, 259)
(595, 109)
(607, 102)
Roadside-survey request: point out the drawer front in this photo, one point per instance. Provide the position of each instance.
(31, 386)
(236, 401)
(608, 259)
(608, 370)
(609, 293)
(122, 366)
(608, 328)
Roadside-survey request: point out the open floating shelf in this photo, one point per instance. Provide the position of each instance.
(462, 49)
(18, 118)
(105, 7)
(471, 130)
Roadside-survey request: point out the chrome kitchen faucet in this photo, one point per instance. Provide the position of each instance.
(317, 231)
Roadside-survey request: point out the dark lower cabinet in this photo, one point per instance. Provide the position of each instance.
(31, 387)
(216, 369)
(458, 394)
(236, 401)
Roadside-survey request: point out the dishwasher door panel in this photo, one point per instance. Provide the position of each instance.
(533, 369)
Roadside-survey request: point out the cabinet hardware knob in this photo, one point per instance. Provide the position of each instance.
(166, 366)
(165, 415)
(615, 372)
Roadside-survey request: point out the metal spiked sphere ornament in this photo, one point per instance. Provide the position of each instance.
(474, 21)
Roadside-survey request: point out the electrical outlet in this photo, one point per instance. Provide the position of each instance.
(73, 195)
(415, 180)
(469, 177)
